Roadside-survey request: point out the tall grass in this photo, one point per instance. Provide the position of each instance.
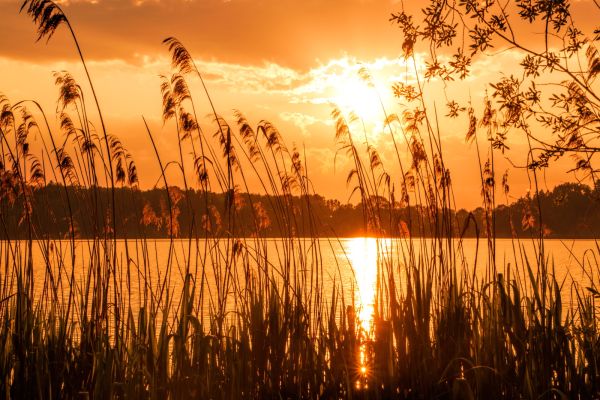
(113, 318)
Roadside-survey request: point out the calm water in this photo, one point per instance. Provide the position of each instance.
(351, 264)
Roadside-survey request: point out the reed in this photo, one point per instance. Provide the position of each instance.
(240, 318)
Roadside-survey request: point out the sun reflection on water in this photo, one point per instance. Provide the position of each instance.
(362, 253)
(363, 257)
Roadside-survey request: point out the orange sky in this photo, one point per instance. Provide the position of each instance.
(281, 60)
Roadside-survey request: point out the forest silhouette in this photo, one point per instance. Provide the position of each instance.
(571, 210)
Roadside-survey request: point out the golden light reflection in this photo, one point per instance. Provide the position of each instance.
(363, 256)
(362, 253)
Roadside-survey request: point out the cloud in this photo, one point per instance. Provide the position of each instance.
(293, 33)
(265, 78)
(302, 121)
(296, 99)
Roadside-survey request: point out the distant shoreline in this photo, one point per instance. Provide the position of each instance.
(570, 211)
(332, 238)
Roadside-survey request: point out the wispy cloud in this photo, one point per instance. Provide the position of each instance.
(296, 100)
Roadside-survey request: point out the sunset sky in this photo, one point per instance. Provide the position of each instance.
(281, 60)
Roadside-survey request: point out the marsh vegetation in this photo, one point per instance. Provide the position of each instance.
(443, 325)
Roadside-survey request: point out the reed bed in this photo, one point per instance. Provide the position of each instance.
(232, 320)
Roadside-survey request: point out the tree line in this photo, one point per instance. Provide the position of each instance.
(570, 210)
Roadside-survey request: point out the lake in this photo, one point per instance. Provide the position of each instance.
(149, 268)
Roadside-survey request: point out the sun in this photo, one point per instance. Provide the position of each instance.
(351, 93)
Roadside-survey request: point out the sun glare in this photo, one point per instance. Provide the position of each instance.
(351, 93)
